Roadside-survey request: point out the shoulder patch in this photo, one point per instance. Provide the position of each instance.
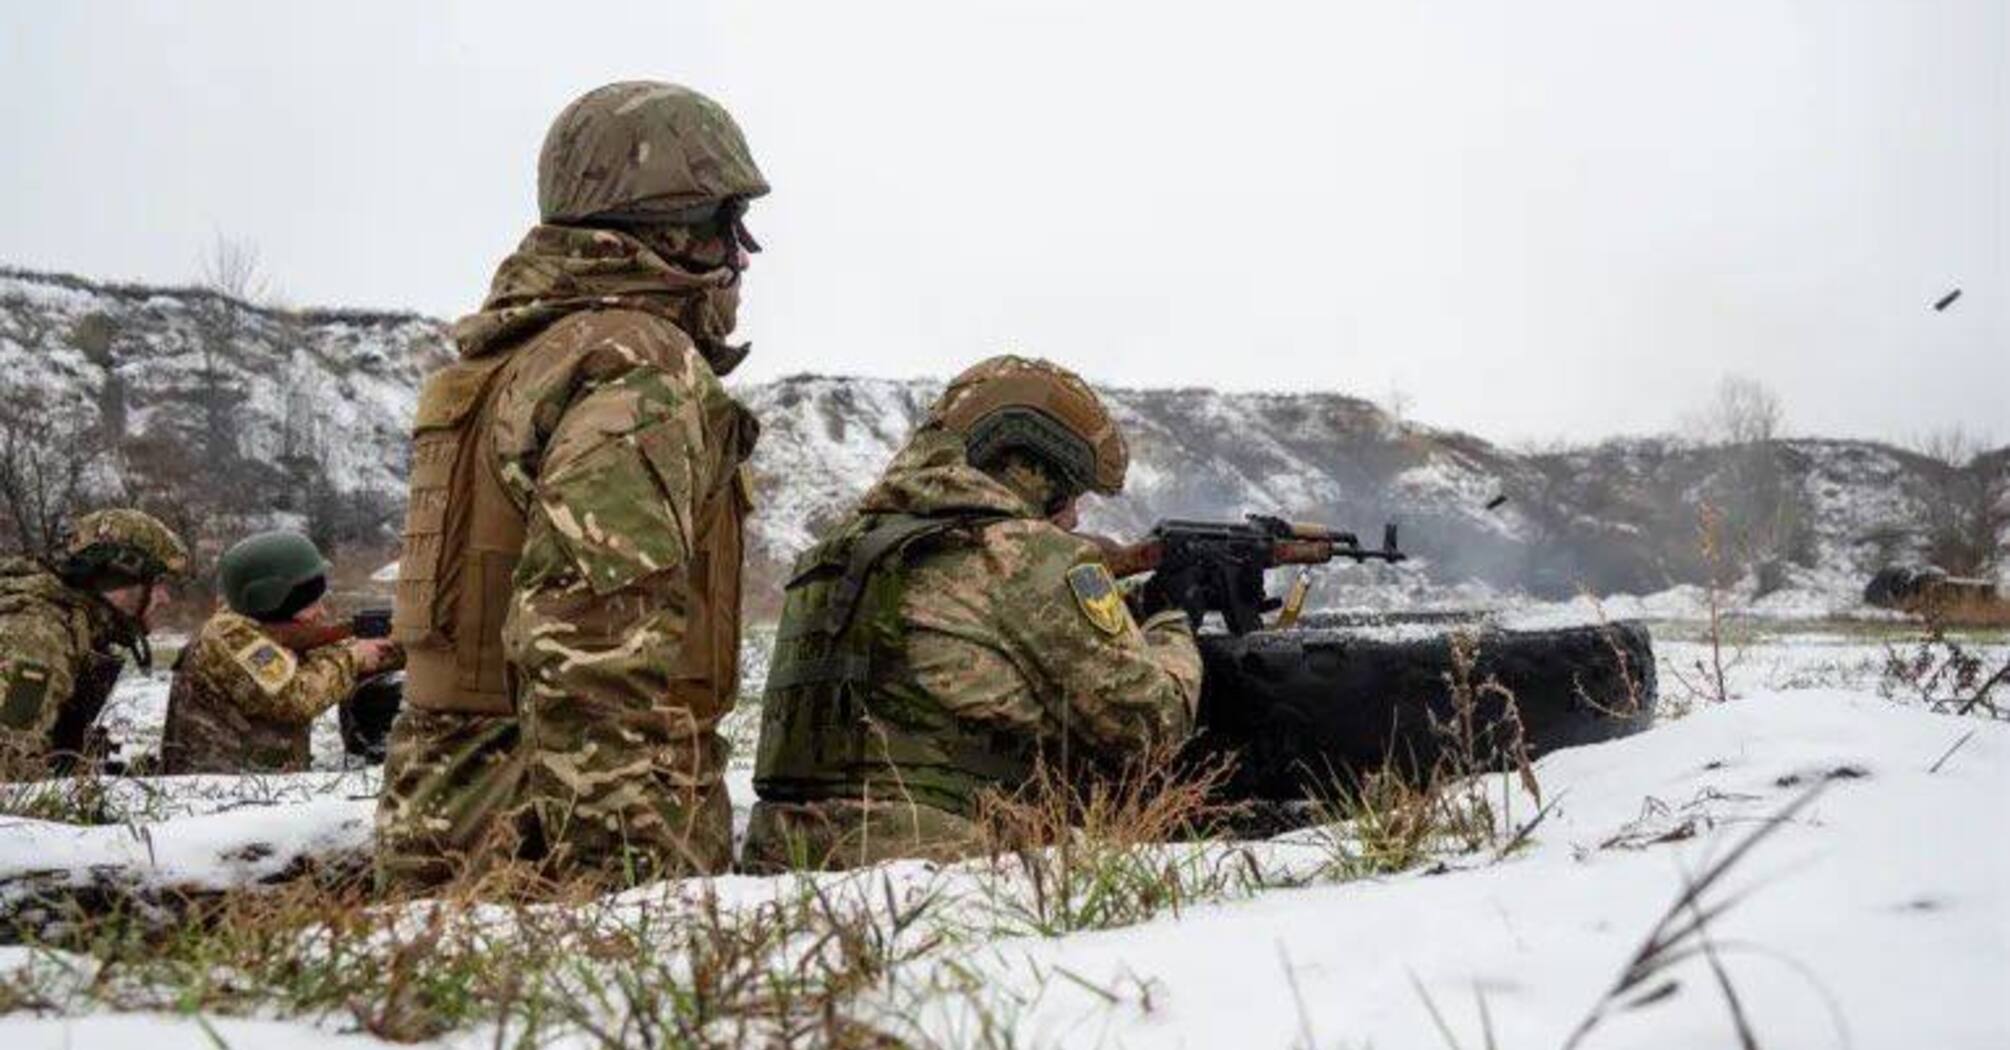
(1096, 595)
(268, 663)
(27, 684)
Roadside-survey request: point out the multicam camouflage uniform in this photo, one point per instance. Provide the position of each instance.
(569, 592)
(244, 703)
(984, 656)
(52, 638)
(56, 640)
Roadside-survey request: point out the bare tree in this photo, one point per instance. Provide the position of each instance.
(230, 271)
(1741, 411)
(1765, 514)
(47, 462)
(1965, 511)
(231, 267)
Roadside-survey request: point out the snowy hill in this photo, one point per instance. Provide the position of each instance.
(217, 415)
(233, 415)
(1806, 519)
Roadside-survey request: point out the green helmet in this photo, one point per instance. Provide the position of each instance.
(123, 543)
(643, 150)
(261, 572)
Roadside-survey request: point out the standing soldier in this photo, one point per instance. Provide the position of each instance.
(249, 685)
(954, 632)
(59, 623)
(569, 589)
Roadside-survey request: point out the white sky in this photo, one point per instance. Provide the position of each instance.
(1534, 218)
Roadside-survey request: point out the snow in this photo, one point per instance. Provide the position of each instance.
(167, 1032)
(1883, 902)
(212, 851)
(1878, 911)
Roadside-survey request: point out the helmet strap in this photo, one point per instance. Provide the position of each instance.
(137, 642)
(132, 626)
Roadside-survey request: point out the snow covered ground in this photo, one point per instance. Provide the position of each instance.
(1876, 916)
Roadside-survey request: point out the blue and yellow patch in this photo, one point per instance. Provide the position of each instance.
(1096, 595)
(268, 664)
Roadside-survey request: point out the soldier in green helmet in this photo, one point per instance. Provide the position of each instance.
(955, 633)
(61, 619)
(569, 588)
(255, 676)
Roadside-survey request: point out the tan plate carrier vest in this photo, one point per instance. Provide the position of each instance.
(463, 536)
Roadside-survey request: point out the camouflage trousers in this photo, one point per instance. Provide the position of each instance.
(467, 794)
(835, 834)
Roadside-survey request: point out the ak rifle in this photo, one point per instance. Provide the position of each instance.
(1219, 566)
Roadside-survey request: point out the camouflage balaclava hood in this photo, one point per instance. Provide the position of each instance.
(559, 270)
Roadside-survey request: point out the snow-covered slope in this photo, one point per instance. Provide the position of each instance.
(336, 387)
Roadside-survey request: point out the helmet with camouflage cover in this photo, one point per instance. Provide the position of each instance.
(123, 543)
(643, 150)
(1008, 403)
(260, 573)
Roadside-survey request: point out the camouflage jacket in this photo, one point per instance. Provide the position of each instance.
(1001, 647)
(617, 617)
(244, 703)
(55, 644)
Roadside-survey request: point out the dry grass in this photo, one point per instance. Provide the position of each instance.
(1400, 816)
(811, 960)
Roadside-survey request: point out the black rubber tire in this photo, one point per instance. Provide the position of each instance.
(366, 716)
(1308, 710)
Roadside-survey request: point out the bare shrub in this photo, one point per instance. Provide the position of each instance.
(1708, 680)
(1941, 672)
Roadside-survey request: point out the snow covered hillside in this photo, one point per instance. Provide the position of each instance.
(333, 387)
(304, 414)
(1874, 911)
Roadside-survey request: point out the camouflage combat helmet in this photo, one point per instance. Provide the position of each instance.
(643, 151)
(260, 572)
(1010, 403)
(123, 543)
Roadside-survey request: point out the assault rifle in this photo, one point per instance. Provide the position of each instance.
(368, 623)
(1219, 566)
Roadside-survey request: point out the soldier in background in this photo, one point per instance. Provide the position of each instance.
(255, 676)
(569, 588)
(954, 633)
(60, 621)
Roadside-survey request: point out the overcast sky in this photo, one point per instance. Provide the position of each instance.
(1531, 219)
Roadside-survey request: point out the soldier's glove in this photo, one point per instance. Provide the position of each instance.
(1173, 587)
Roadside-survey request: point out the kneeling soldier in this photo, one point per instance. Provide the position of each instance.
(60, 621)
(250, 684)
(954, 632)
